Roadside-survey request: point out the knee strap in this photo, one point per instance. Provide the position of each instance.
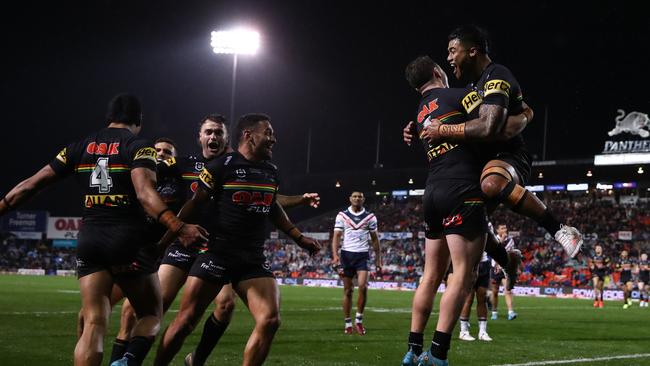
(496, 170)
(512, 194)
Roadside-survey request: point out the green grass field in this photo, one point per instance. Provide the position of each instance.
(38, 314)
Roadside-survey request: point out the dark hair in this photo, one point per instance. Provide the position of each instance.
(125, 108)
(247, 121)
(473, 36)
(167, 140)
(214, 117)
(419, 71)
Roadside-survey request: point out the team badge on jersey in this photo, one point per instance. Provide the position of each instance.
(198, 166)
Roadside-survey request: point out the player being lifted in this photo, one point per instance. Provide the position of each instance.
(358, 227)
(626, 283)
(599, 270)
(643, 283)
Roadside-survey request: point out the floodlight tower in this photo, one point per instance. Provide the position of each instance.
(235, 42)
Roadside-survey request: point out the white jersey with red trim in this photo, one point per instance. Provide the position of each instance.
(356, 227)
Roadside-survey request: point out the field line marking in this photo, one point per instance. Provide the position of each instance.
(578, 360)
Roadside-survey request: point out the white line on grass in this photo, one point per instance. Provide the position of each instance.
(578, 360)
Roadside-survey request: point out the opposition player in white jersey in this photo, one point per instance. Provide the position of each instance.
(499, 278)
(358, 228)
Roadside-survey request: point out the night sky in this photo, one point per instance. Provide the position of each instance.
(329, 66)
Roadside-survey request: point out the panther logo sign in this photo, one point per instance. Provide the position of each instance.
(635, 123)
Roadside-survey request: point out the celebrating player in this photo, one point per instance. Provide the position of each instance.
(243, 185)
(116, 170)
(624, 267)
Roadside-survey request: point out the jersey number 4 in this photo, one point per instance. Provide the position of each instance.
(100, 177)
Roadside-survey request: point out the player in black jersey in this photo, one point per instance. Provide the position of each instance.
(243, 187)
(643, 283)
(496, 94)
(624, 267)
(599, 270)
(454, 213)
(116, 171)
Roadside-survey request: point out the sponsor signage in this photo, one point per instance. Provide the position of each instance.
(577, 187)
(403, 192)
(416, 192)
(395, 235)
(535, 188)
(624, 235)
(25, 224)
(623, 150)
(66, 228)
(625, 185)
(64, 243)
(556, 187)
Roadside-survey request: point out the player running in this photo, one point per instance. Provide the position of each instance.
(358, 227)
(599, 270)
(243, 186)
(479, 289)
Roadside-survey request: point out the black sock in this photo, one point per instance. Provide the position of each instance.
(496, 250)
(212, 332)
(138, 348)
(549, 222)
(415, 342)
(440, 345)
(119, 348)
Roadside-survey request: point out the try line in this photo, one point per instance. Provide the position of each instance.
(578, 360)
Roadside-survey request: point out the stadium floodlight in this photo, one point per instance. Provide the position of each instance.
(237, 42)
(589, 173)
(640, 170)
(234, 42)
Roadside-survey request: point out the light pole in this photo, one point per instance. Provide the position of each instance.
(235, 42)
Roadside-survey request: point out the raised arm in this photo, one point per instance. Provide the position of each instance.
(27, 188)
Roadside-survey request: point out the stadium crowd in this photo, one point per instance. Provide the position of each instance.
(599, 216)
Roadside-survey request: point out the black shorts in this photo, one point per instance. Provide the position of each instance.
(453, 207)
(599, 272)
(497, 275)
(483, 279)
(121, 249)
(179, 256)
(520, 160)
(644, 276)
(353, 262)
(222, 268)
(626, 276)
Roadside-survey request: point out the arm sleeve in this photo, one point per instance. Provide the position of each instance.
(143, 155)
(500, 87)
(208, 179)
(339, 222)
(372, 224)
(64, 164)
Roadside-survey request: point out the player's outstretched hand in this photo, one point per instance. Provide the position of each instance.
(310, 244)
(431, 132)
(191, 233)
(408, 132)
(311, 199)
